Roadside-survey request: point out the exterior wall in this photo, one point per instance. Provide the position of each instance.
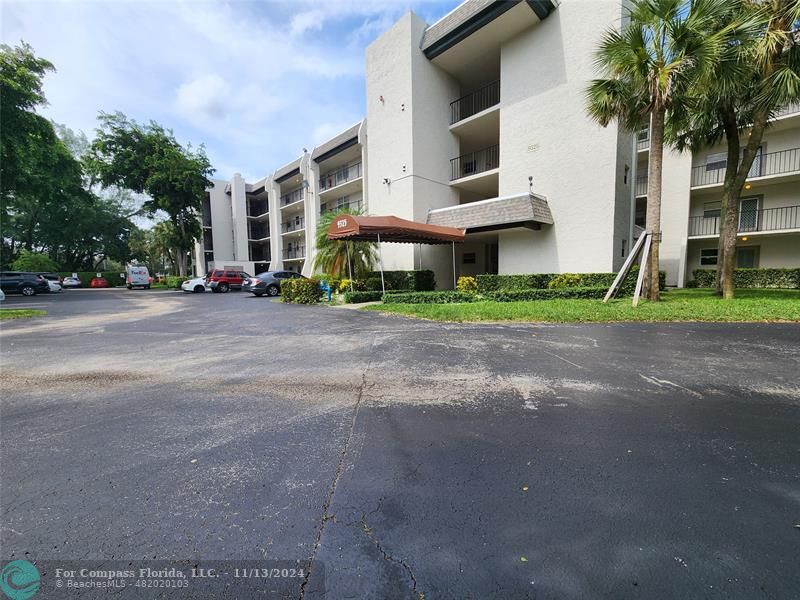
(409, 140)
(239, 219)
(675, 177)
(775, 195)
(545, 133)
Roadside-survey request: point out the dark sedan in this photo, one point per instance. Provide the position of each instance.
(269, 282)
(27, 284)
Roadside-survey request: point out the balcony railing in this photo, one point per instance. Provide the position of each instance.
(643, 139)
(355, 205)
(257, 208)
(475, 162)
(260, 253)
(339, 176)
(206, 217)
(258, 232)
(789, 109)
(291, 197)
(641, 186)
(473, 103)
(766, 219)
(774, 163)
(293, 225)
(299, 252)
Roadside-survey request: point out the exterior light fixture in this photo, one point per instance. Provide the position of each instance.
(747, 186)
(744, 239)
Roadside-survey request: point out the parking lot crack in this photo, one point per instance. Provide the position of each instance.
(367, 531)
(340, 466)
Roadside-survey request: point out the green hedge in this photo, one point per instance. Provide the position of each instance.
(417, 280)
(174, 282)
(358, 297)
(446, 297)
(546, 294)
(300, 291)
(751, 278)
(86, 276)
(449, 297)
(490, 283)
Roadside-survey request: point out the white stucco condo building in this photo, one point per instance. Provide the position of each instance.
(478, 121)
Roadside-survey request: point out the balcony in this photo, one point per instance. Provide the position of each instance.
(259, 253)
(295, 225)
(474, 163)
(298, 253)
(643, 140)
(257, 208)
(354, 205)
(641, 186)
(258, 231)
(765, 165)
(296, 195)
(787, 110)
(478, 101)
(750, 221)
(339, 177)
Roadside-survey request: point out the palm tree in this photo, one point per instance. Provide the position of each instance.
(758, 77)
(647, 66)
(340, 258)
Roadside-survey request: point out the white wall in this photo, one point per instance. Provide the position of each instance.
(776, 251)
(675, 182)
(239, 219)
(545, 133)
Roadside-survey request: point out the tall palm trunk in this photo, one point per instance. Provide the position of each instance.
(653, 221)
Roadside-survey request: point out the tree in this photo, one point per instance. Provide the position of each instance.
(332, 255)
(34, 261)
(758, 77)
(647, 67)
(148, 159)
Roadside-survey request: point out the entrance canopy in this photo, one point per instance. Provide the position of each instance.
(391, 229)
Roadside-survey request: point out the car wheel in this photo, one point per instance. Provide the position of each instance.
(27, 290)
(223, 288)
(130, 287)
(273, 290)
(198, 289)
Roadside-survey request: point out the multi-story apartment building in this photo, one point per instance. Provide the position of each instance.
(478, 121)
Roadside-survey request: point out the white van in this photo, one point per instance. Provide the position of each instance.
(138, 277)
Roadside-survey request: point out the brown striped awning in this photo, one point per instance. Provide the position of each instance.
(391, 229)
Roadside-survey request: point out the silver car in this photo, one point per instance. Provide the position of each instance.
(269, 282)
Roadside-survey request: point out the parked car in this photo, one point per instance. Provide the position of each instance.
(55, 286)
(196, 285)
(269, 282)
(71, 282)
(137, 276)
(51, 277)
(19, 282)
(2, 296)
(224, 280)
(99, 282)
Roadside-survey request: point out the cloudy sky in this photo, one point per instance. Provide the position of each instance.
(253, 81)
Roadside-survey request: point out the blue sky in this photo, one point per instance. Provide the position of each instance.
(253, 81)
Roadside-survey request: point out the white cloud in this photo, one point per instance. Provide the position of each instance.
(254, 81)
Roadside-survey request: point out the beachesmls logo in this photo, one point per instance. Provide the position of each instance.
(19, 580)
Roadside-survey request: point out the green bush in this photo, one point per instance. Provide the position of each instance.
(468, 285)
(446, 297)
(300, 291)
(373, 284)
(174, 282)
(752, 278)
(565, 280)
(362, 296)
(545, 294)
(415, 280)
(489, 283)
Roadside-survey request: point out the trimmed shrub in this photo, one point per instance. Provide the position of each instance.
(545, 294)
(300, 291)
(174, 282)
(468, 285)
(565, 280)
(752, 278)
(416, 280)
(446, 297)
(489, 283)
(362, 296)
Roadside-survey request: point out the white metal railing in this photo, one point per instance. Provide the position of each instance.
(340, 176)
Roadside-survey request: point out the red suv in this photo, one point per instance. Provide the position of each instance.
(223, 280)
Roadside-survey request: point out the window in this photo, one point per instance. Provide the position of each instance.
(716, 161)
(469, 258)
(708, 257)
(640, 219)
(748, 214)
(711, 210)
(747, 257)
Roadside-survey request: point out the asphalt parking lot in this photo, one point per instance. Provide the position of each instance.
(403, 458)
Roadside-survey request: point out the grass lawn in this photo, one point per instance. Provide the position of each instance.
(20, 313)
(676, 305)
